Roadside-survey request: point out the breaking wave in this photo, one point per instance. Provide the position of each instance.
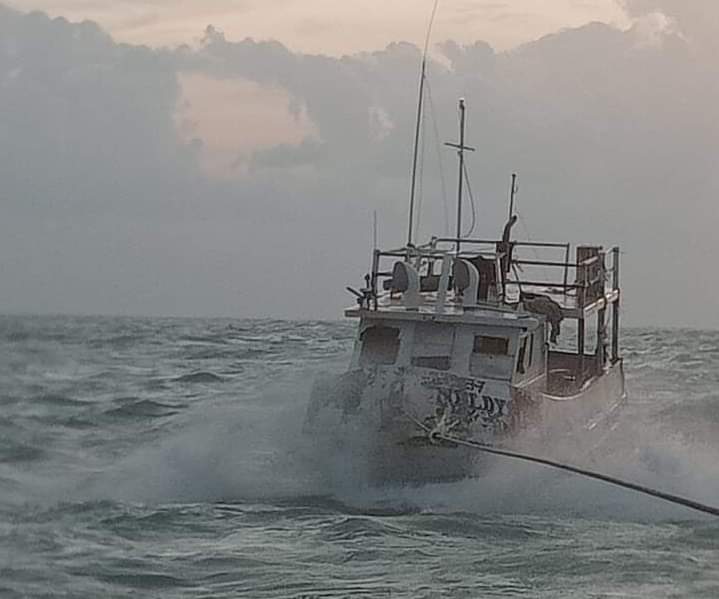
(256, 451)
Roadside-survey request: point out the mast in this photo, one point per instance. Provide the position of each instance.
(420, 106)
(461, 148)
(418, 125)
(462, 120)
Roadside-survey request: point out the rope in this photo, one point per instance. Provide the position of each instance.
(440, 161)
(694, 505)
(471, 198)
(437, 434)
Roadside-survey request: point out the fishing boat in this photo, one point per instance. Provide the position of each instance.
(485, 342)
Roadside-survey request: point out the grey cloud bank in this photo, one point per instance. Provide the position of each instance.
(106, 208)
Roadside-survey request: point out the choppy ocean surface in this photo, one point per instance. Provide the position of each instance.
(165, 458)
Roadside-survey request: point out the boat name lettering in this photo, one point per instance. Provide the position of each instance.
(442, 380)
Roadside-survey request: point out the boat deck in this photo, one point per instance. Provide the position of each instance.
(430, 308)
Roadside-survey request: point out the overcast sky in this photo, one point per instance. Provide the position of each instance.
(329, 26)
(238, 177)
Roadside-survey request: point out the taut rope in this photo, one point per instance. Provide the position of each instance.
(438, 434)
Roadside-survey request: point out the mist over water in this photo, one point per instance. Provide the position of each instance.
(167, 457)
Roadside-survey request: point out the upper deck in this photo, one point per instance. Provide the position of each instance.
(491, 279)
(498, 283)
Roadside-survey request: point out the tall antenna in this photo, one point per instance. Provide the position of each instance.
(461, 148)
(418, 125)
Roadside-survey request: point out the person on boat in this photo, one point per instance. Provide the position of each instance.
(541, 304)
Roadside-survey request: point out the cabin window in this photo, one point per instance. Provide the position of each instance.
(433, 344)
(495, 346)
(434, 362)
(491, 358)
(380, 345)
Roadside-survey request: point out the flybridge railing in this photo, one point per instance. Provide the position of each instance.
(566, 265)
(589, 283)
(593, 277)
(595, 288)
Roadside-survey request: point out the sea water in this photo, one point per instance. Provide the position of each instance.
(166, 458)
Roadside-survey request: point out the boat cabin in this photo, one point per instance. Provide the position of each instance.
(487, 347)
(491, 312)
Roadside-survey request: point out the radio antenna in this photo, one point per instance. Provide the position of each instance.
(418, 124)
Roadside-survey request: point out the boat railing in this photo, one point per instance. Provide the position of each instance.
(593, 291)
(593, 278)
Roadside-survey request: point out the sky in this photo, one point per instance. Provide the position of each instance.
(328, 26)
(237, 175)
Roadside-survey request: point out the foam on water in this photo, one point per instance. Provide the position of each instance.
(256, 450)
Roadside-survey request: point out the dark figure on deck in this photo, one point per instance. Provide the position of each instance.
(541, 304)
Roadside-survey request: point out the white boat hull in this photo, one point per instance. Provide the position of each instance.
(394, 411)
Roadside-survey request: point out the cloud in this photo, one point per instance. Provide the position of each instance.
(654, 28)
(80, 112)
(328, 26)
(698, 20)
(232, 119)
(109, 204)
